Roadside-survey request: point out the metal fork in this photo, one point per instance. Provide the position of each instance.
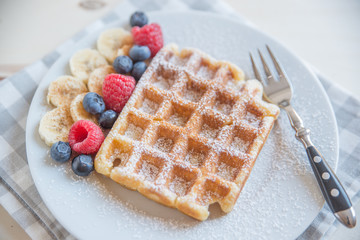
(279, 92)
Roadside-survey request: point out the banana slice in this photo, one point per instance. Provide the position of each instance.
(124, 50)
(64, 89)
(96, 78)
(83, 62)
(78, 112)
(55, 125)
(111, 40)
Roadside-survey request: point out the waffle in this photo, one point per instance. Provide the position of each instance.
(190, 133)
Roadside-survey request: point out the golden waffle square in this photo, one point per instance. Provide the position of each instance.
(190, 133)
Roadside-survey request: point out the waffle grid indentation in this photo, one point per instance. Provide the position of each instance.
(192, 133)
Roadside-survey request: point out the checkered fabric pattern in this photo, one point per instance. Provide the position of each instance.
(18, 194)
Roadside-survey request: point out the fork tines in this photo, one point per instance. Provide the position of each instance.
(268, 72)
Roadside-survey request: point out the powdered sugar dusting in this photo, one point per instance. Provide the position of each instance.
(149, 171)
(164, 83)
(231, 84)
(164, 144)
(123, 156)
(177, 119)
(239, 144)
(252, 119)
(134, 132)
(208, 197)
(223, 108)
(209, 132)
(179, 186)
(195, 158)
(149, 106)
(226, 171)
(193, 95)
(175, 60)
(119, 158)
(205, 73)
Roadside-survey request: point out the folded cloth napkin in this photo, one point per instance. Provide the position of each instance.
(18, 194)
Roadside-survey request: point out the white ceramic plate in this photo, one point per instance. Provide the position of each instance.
(281, 197)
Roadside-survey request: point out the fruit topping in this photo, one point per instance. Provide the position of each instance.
(138, 70)
(85, 137)
(117, 90)
(123, 64)
(60, 151)
(149, 35)
(138, 19)
(82, 165)
(93, 103)
(139, 53)
(107, 119)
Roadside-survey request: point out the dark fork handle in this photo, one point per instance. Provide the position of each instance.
(331, 188)
(330, 185)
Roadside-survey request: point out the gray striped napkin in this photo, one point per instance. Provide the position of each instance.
(18, 194)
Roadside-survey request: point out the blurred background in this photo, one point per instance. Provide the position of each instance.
(325, 33)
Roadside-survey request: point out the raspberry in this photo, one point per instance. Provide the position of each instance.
(85, 137)
(149, 35)
(117, 90)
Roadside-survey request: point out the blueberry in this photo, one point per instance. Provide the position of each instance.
(82, 165)
(93, 103)
(123, 64)
(107, 118)
(139, 53)
(138, 19)
(60, 151)
(138, 70)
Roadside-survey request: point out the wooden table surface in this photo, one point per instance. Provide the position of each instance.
(325, 33)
